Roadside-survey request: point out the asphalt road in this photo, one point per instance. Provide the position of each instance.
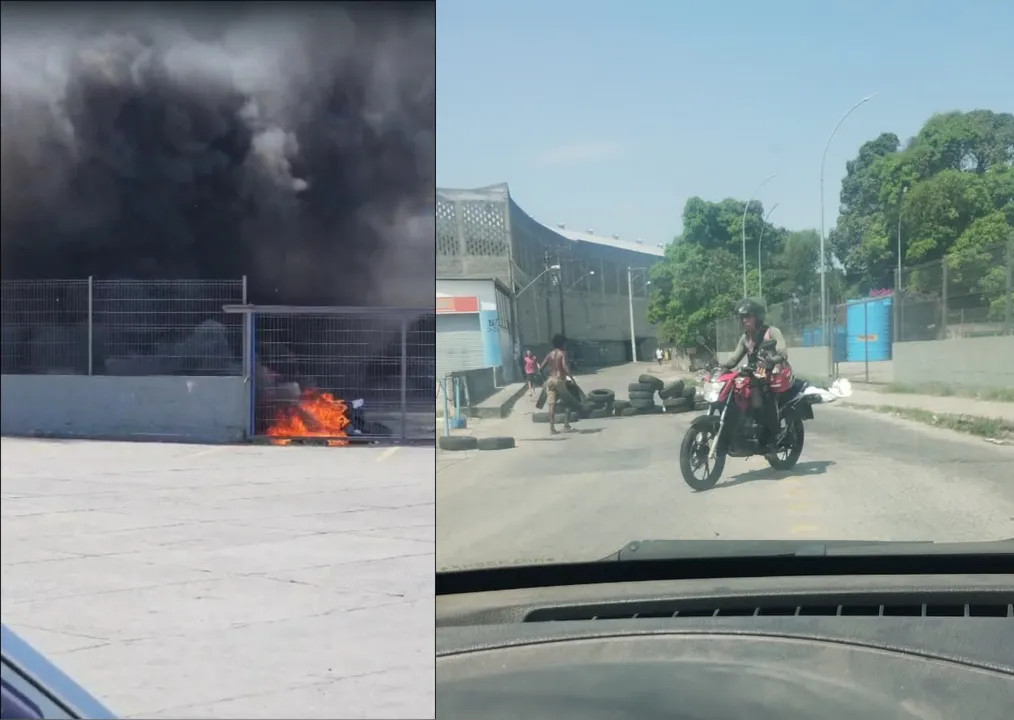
(185, 581)
(585, 495)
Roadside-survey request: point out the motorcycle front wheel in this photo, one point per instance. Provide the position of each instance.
(694, 457)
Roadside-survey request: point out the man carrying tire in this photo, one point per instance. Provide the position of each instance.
(559, 371)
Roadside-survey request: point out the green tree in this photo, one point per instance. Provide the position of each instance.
(955, 172)
(692, 288)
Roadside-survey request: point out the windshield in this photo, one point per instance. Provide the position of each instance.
(717, 273)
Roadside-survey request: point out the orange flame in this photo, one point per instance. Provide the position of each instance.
(318, 414)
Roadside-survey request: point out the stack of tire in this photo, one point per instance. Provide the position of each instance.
(598, 404)
(642, 396)
(678, 397)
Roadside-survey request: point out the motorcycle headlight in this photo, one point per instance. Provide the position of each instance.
(710, 392)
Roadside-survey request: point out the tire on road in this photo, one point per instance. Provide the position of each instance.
(457, 443)
(496, 443)
(620, 405)
(655, 383)
(642, 403)
(672, 390)
(543, 417)
(641, 395)
(601, 397)
(602, 412)
(678, 404)
(650, 410)
(640, 387)
(543, 398)
(629, 412)
(690, 393)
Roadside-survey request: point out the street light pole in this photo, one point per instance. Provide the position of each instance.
(760, 285)
(766, 181)
(823, 257)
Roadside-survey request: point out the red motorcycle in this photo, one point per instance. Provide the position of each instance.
(729, 429)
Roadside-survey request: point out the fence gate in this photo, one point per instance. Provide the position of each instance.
(339, 374)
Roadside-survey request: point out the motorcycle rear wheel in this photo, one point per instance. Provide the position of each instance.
(789, 460)
(694, 441)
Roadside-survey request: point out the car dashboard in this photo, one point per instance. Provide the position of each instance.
(784, 648)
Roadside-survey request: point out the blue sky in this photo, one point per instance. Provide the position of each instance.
(608, 115)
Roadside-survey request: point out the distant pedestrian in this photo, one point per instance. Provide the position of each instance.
(659, 356)
(531, 370)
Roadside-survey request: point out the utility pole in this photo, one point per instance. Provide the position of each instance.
(630, 305)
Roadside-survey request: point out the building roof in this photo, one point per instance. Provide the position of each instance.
(615, 242)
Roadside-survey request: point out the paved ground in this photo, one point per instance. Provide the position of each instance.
(187, 581)
(862, 476)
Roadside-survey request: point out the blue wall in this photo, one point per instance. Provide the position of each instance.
(489, 326)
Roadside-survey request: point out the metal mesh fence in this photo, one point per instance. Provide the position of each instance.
(121, 327)
(334, 373)
(967, 294)
(798, 319)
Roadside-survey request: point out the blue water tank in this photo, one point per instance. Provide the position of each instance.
(840, 344)
(868, 323)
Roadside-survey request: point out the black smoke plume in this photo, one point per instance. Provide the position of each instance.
(295, 147)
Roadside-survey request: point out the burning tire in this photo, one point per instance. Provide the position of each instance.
(457, 443)
(496, 443)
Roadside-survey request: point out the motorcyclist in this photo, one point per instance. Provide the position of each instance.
(752, 315)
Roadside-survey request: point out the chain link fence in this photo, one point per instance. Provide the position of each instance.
(121, 327)
(967, 294)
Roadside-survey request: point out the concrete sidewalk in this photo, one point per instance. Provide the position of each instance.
(933, 403)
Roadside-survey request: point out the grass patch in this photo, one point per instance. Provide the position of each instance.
(996, 429)
(944, 390)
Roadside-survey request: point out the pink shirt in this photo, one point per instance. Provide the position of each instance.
(531, 364)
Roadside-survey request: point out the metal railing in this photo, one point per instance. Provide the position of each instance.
(336, 372)
(120, 327)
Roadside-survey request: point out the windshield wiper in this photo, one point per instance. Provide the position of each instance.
(639, 550)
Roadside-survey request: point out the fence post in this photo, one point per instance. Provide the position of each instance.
(91, 328)
(896, 335)
(1008, 300)
(943, 296)
(404, 380)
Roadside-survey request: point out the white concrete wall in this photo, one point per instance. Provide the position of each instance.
(974, 362)
(983, 362)
(196, 409)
